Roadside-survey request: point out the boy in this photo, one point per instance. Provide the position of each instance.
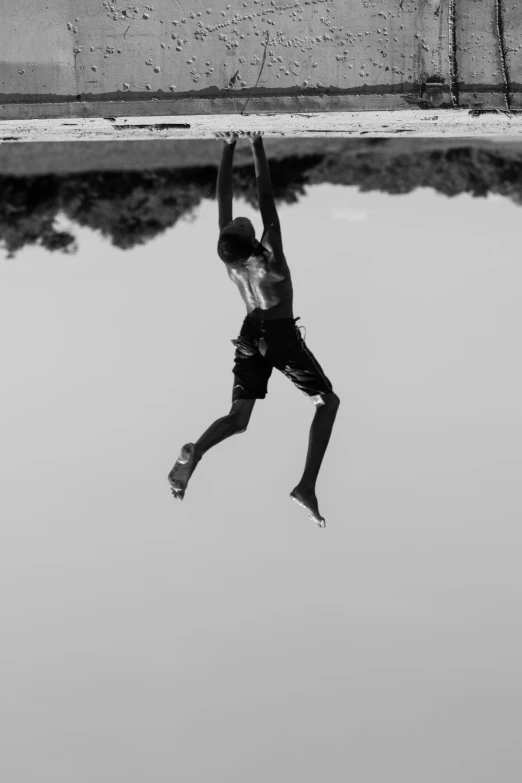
(269, 336)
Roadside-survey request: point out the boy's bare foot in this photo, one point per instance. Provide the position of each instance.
(183, 470)
(307, 499)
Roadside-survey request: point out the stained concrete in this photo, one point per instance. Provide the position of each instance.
(512, 43)
(480, 66)
(443, 123)
(368, 55)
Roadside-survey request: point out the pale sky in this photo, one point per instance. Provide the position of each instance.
(226, 639)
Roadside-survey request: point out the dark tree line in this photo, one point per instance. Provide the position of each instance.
(132, 207)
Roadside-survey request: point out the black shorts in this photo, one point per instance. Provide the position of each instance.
(263, 345)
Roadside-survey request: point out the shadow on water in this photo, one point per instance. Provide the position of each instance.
(130, 208)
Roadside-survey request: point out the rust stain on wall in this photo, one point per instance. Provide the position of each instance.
(512, 27)
(481, 79)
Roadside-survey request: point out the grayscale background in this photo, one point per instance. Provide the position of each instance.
(226, 639)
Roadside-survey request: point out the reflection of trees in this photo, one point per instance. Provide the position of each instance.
(129, 207)
(133, 207)
(451, 172)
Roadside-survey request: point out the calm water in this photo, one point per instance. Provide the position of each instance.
(225, 638)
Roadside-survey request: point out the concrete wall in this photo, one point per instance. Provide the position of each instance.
(72, 56)
(488, 46)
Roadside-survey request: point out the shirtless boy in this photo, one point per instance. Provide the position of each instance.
(269, 336)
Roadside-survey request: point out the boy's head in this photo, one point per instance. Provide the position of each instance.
(237, 242)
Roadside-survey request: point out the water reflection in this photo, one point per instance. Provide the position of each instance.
(132, 207)
(132, 620)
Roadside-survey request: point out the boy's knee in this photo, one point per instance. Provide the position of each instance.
(239, 425)
(240, 414)
(330, 400)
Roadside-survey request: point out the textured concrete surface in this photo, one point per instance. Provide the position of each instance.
(257, 56)
(443, 123)
(488, 62)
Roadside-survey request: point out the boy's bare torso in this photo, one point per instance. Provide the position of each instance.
(265, 284)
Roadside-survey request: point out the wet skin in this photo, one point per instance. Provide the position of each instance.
(183, 469)
(187, 461)
(308, 500)
(189, 456)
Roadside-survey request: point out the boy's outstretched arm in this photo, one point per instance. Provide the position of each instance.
(224, 180)
(265, 196)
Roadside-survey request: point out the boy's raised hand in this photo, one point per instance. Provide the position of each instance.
(229, 137)
(254, 136)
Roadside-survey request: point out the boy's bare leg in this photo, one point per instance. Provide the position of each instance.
(320, 431)
(191, 453)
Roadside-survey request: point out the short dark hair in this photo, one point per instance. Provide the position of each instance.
(233, 248)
